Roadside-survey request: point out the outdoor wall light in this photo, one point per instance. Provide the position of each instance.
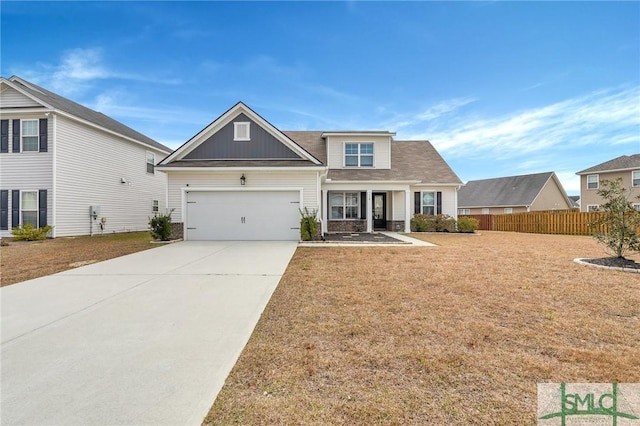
(243, 179)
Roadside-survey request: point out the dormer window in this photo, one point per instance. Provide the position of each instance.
(241, 131)
(358, 154)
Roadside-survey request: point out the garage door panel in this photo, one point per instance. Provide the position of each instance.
(259, 215)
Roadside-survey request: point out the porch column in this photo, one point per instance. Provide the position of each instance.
(407, 210)
(323, 210)
(369, 212)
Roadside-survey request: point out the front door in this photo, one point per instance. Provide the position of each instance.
(379, 210)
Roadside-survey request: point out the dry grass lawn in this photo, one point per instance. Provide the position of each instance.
(455, 334)
(24, 260)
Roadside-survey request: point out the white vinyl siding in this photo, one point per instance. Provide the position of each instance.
(27, 170)
(381, 149)
(307, 180)
(593, 181)
(81, 184)
(11, 98)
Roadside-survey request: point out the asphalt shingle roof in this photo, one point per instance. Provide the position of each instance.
(624, 162)
(506, 191)
(84, 113)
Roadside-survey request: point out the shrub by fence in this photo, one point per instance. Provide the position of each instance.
(566, 222)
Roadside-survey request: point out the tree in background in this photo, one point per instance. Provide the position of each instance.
(619, 218)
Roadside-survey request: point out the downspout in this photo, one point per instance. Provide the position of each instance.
(321, 205)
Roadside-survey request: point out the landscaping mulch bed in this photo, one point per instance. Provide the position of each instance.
(360, 237)
(614, 262)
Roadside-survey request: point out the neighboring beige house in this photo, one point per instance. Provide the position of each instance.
(240, 178)
(61, 161)
(626, 167)
(513, 194)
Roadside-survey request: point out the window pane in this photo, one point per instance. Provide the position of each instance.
(336, 212)
(366, 160)
(30, 128)
(351, 199)
(336, 199)
(427, 210)
(636, 178)
(351, 148)
(30, 200)
(30, 218)
(351, 160)
(351, 212)
(427, 198)
(30, 143)
(366, 148)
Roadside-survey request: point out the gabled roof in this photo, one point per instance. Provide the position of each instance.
(54, 101)
(505, 191)
(624, 162)
(177, 158)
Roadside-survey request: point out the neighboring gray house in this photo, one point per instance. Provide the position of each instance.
(59, 158)
(625, 167)
(240, 178)
(513, 194)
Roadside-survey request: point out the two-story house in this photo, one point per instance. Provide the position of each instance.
(65, 165)
(625, 167)
(240, 178)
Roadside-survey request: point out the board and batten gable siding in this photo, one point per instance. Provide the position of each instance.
(307, 180)
(449, 197)
(90, 167)
(11, 98)
(221, 146)
(27, 170)
(381, 150)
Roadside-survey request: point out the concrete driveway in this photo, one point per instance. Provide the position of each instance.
(144, 339)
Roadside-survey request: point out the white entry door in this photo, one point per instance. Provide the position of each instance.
(243, 215)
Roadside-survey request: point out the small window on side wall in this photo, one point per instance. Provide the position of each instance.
(635, 178)
(508, 210)
(151, 161)
(636, 206)
(485, 210)
(593, 181)
(464, 211)
(241, 131)
(155, 207)
(593, 208)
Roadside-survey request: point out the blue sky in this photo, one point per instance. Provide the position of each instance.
(499, 88)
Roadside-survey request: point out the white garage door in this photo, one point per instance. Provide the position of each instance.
(246, 215)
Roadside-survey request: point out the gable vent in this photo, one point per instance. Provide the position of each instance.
(241, 131)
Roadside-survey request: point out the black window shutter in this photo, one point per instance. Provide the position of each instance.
(4, 209)
(43, 134)
(15, 208)
(4, 135)
(16, 136)
(438, 202)
(416, 203)
(42, 208)
(363, 205)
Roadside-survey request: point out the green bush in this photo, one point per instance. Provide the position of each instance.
(308, 225)
(432, 223)
(30, 233)
(160, 226)
(467, 224)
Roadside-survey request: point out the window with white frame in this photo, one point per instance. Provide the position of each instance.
(593, 181)
(241, 131)
(29, 208)
(636, 206)
(635, 178)
(428, 202)
(464, 211)
(155, 206)
(151, 162)
(593, 208)
(344, 205)
(30, 138)
(358, 154)
(485, 210)
(508, 210)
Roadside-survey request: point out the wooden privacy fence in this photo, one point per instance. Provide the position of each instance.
(565, 222)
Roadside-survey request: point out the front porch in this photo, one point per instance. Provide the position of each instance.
(366, 210)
